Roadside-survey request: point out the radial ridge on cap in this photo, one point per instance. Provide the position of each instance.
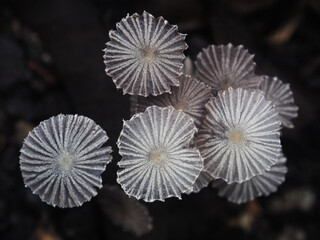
(190, 97)
(157, 162)
(259, 185)
(225, 66)
(144, 55)
(240, 136)
(62, 159)
(281, 97)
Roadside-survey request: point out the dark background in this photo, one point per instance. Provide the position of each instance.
(51, 62)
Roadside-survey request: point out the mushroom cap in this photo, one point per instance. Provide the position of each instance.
(157, 162)
(281, 97)
(202, 181)
(125, 212)
(225, 66)
(133, 104)
(188, 66)
(257, 186)
(190, 97)
(144, 55)
(240, 136)
(62, 159)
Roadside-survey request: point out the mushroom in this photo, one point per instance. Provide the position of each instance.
(190, 97)
(157, 162)
(257, 186)
(202, 181)
(226, 66)
(240, 136)
(144, 55)
(281, 97)
(62, 159)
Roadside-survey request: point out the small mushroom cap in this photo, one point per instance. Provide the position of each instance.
(281, 97)
(144, 55)
(190, 97)
(202, 181)
(257, 186)
(240, 136)
(133, 104)
(62, 159)
(157, 162)
(125, 212)
(188, 66)
(226, 66)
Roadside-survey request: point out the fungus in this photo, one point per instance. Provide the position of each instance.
(188, 68)
(202, 181)
(157, 162)
(133, 104)
(257, 186)
(240, 136)
(281, 97)
(144, 55)
(61, 160)
(125, 212)
(226, 66)
(190, 97)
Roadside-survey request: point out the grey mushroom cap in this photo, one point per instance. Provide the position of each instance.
(260, 185)
(144, 55)
(190, 97)
(224, 66)
(202, 181)
(124, 211)
(62, 159)
(240, 136)
(157, 162)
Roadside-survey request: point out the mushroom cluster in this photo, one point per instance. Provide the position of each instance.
(221, 125)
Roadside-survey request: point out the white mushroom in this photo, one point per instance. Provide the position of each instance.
(157, 162)
(257, 186)
(226, 66)
(62, 159)
(282, 98)
(125, 212)
(240, 136)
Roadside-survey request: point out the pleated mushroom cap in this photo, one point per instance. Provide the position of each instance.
(257, 186)
(61, 160)
(188, 66)
(157, 162)
(144, 55)
(190, 97)
(226, 66)
(125, 212)
(202, 181)
(282, 98)
(133, 104)
(240, 136)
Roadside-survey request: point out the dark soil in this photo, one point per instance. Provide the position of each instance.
(51, 62)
